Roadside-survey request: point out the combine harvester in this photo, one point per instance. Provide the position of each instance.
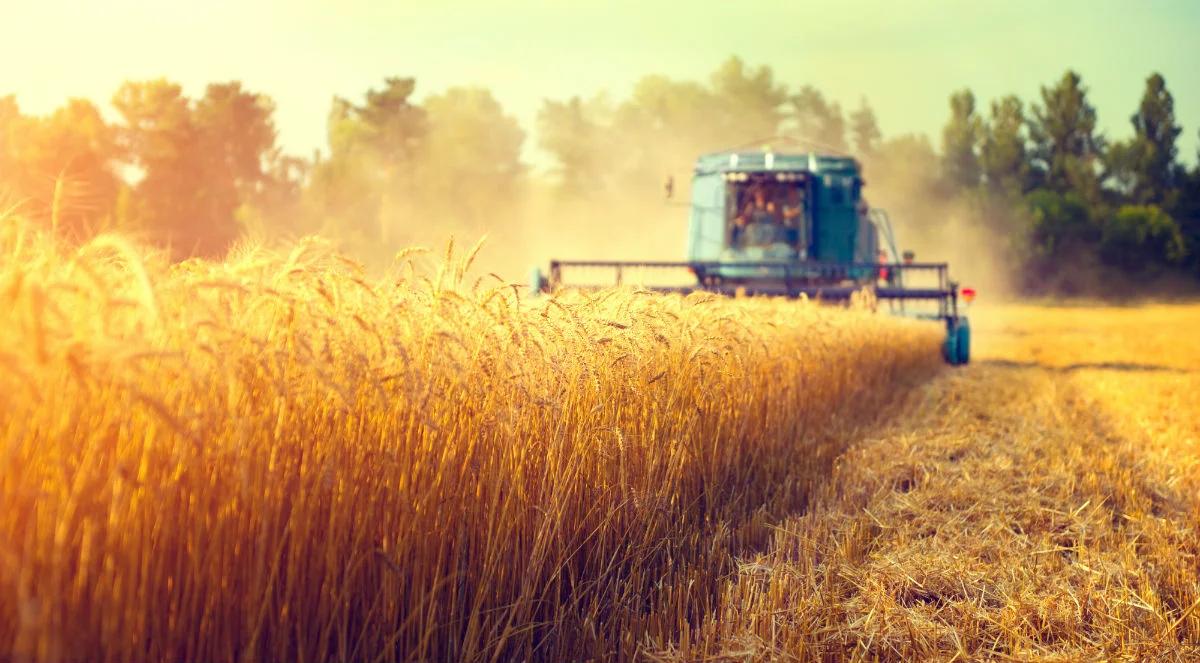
(787, 224)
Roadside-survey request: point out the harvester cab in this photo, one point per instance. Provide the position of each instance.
(786, 224)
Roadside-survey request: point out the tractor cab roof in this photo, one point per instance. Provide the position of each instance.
(767, 161)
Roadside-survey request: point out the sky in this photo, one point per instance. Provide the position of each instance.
(904, 57)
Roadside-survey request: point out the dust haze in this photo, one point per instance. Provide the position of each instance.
(599, 191)
(536, 221)
(941, 229)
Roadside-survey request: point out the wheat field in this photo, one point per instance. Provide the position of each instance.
(280, 458)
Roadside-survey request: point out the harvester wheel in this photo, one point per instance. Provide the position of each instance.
(956, 349)
(950, 345)
(963, 343)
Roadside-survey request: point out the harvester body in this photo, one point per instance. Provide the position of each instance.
(788, 224)
(763, 206)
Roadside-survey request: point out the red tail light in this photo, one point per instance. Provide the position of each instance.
(968, 294)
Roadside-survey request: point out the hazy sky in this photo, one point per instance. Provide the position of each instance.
(906, 57)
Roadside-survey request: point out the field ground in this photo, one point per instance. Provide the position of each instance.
(1042, 503)
(279, 458)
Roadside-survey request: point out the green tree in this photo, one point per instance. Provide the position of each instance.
(1065, 146)
(1058, 246)
(665, 123)
(1123, 161)
(238, 134)
(371, 166)
(161, 141)
(198, 161)
(78, 147)
(276, 207)
(815, 121)
(237, 144)
(1140, 237)
(471, 158)
(400, 172)
(1154, 151)
(1002, 155)
(575, 135)
(342, 197)
(865, 130)
(1187, 211)
(59, 168)
(393, 127)
(661, 127)
(960, 138)
(747, 101)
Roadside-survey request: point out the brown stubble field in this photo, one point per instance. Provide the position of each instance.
(1040, 504)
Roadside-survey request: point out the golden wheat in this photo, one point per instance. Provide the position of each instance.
(279, 458)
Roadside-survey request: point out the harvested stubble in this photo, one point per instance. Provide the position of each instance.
(1043, 504)
(275, 458)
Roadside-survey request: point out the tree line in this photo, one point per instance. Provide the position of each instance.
(1073, 205)
(193, 175)
(1067, 207)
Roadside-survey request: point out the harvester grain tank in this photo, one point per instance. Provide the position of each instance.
(788, 224)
